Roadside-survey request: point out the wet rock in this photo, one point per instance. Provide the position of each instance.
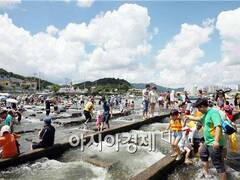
(39, 112)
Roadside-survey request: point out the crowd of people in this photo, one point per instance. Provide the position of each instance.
(11, 115)
(106, 111)
(199, 129)
(153, 101)
(204, 129)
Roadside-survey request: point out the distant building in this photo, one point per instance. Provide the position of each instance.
(238, 87)
(5, 82)
(72, 90)
(192, 90)
(212, 89)
(29, 85)
(10, 83)
(135, 91)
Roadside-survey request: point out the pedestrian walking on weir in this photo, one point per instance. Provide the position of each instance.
(88, 110)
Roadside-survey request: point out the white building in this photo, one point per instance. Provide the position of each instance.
(212, 88)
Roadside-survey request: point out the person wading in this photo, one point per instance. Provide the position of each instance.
(88, 110)
(213, 136)
(145, 94)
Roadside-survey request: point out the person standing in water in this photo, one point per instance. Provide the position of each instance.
(153, 97)
(172, 99)
(145, 94)
(175, 127)
(9, 120)
(213, 136)
(88, 109)
(220, 98)
(47, 105)
(106, 112)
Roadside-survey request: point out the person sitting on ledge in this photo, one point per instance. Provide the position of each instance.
(46, 135)
(8, 143)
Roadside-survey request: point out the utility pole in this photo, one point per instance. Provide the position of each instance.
(35, 80)
(84, 79)
(39, 81)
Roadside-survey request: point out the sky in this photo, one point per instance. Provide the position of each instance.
(172, 43)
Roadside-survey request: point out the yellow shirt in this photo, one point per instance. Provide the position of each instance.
(192, 124)
(88, 107)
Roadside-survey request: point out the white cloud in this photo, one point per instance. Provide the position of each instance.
(184, 49)
(182, 53)
(179, 62)
(9, 4)
(116, 43)
(228, 24)
(120, 36)
(52, 30)
(85, 3)
(110, 42)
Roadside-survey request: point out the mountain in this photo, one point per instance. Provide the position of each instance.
(106, 84)
(159, 88)
(4, 73)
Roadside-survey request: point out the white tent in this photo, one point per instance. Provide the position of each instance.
(10, 100)
(3, 98)
(4, 94)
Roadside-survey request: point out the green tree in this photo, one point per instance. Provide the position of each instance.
(55, 88)
(26, 86)
(1, 88)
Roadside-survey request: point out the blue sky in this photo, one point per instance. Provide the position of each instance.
(35, 16)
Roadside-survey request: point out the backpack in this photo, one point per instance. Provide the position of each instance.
(227, 127)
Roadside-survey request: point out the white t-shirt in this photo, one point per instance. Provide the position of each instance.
(145, 94)
(160, 98)
(172, 97)
(153, 96)
(194, 133)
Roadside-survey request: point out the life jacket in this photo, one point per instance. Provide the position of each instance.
(176, 125)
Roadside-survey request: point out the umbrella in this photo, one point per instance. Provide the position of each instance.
(10, 100)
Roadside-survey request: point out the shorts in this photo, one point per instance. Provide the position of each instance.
(87, 115)
(176, 134)
(145, 106)
(196, 144)
(216, 156)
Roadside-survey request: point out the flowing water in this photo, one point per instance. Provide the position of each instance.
(72, 166)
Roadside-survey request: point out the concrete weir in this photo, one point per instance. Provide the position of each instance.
(58, 149)
(159, 170)
(78, 122)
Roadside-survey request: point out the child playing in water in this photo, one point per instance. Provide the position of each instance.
(99, 121)
(175, 126)
(185, 144)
